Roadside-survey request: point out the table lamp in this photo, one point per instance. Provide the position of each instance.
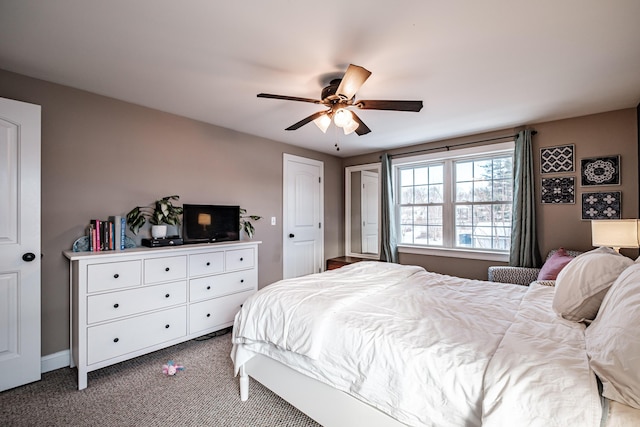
(615, 233)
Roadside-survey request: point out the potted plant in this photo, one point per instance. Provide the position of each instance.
(245, 222)
(159, 214)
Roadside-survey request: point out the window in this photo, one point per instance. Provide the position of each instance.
(457, 200)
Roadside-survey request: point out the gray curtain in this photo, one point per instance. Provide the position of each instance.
(388, 243)
(524, 241)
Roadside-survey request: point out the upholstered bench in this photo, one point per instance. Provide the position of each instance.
(522, 275)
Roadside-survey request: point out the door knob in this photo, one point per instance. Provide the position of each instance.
(28, 257)
(291, 235)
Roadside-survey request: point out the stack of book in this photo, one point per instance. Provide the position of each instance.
(107, 235)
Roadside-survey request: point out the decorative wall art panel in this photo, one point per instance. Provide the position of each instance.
(557, 159)
(558, 190)
(605, 205)
(600, 171)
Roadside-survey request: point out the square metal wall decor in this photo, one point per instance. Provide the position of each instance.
(600, 171)
(605, 205)
(557, 159)
(558, 190)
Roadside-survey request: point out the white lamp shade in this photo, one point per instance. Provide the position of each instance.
(615, 233)
(342, 117)
(350, 127)
(323, 122)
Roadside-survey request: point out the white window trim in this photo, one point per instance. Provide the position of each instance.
(478, 254)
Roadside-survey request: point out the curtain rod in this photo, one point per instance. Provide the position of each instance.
(448, 147)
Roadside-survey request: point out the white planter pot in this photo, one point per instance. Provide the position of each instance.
(158, 231)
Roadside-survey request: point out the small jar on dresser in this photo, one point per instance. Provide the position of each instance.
(128, 303)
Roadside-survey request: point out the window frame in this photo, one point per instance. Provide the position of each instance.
(448, 157)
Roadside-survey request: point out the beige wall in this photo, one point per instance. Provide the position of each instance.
(102, 157)
(609, 133)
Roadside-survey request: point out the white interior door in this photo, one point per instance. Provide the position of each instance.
(369, 205)
(303, 215)
(19, 243)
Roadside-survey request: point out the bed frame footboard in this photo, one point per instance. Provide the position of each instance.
(328, 406)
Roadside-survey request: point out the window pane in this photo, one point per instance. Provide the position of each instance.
(420, 235)
(435, 215)
(421, 176)
(502, 215)
(406, 234)
(421, 194)
(420, 215)
(502, 168)
(435, 236)
(482, 169)
(464, 192)
(406, 196)
(435, 193)
(482, 215)
(406, 215)
(464, 215)
(406, 177)
(436, 174)
(464, 171)
(502, 190)
(482, 191)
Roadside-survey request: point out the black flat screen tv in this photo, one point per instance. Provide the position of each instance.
(210, 223)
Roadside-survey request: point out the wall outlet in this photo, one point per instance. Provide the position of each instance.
(273, 220)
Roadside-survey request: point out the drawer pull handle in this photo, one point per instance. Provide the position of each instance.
(166, 296)
(166, 326)
(115, 276)
(208, 263)
(208, 314)
(241, 259)
(166, 269)
(116, 305)
(241, 280)
(116, 339)
(208, 287)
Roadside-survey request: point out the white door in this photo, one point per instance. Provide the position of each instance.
(303, 214)
(19, 243)
(369, 204)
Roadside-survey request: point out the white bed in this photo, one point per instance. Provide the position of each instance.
(385, 344)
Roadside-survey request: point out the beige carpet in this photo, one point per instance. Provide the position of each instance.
(137, 393)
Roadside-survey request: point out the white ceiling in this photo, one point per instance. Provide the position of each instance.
(477, 65)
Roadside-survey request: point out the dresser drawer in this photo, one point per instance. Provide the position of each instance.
(207, 263)
(238, 259)
(113, 275)
(213, 286)
(125, 336)
(215, 312)
(134, 301)
(165, 269)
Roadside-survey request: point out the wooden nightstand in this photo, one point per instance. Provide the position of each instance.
(340, 261)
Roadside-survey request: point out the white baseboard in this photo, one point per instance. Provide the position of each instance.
(54, 361)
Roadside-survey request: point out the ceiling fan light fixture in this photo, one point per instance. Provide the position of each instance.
(323, 122)
(350, 127)
(342, 117)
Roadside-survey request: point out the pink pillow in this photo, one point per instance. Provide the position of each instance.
(554, 264)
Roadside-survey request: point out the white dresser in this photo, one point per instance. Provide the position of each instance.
(132, 302)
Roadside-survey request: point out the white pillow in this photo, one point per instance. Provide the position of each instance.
(613, 340)
(583, 283)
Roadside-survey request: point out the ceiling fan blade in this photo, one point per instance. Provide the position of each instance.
(390, 105)
(289, 98)
(353, 79)
(306, 120)
(362, 129)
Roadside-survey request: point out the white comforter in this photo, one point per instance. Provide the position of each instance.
(428, 349)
